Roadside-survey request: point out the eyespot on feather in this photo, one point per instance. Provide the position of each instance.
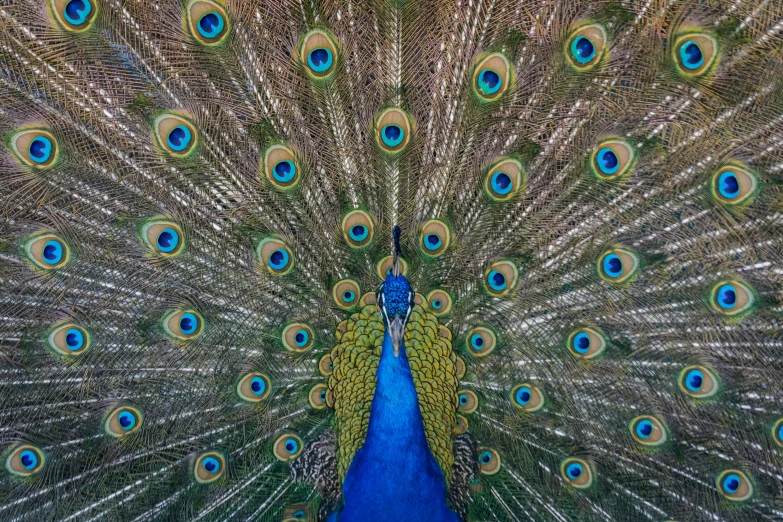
(281, 167)
(734, 485)
(481, 341)
(777, 432)
(209, 467)
(369, 298)
(325, 364)
(648, 431)
(505, 179)
(612, 159)
(695, 53)
(576, 472)
(467, 401)
(488, 461)
(163, 237)
(75, 15)
(434, 238)
(586, 46)
(439, 302)
(175, 135)
(618, 265)
(385, 265)
(287, 447)
(492, 77)
(317, 396)
(298, 513)
(275, 256)
(500, 278)
(444, 332)
(184, 324)
(459, 364)
(733, 184)
(357, 228)
(346, 293)
(298, 337)
(47, 251)
(24, 460)
(461, 425)
(732, 298)
(698, 382)
(319, 55)
(69, 339)
(253, 387)
(393, 130)
(207, 21)
(122, 421)
(34, 147)
(527, 397)
(586, 343)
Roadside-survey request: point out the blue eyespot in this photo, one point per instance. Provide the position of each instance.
(258, 385)
(301, 338)
(168, 240)
(211, 464)
(574, 470)
(489, 81)
(392, 135)
(463, 399)
(126, 420)
(523, 396)
(607, 161)
(644, 429)
(496, 280)
(211, 24)
(582, 49)
(728, 185)
(28, 459)
(436, 304)
(501, 183)
(322, 395)
(279, 259)
(291, 445)
(582, 342)
(693, 380)
(613, 266)
(359, 232)
(485, 457)
(284, 171)
(40, 149)
(432, 242)
(477, 342)
(299, 515)
(53, 252)
(727, 296)
(179, 138)
(731, 483)
(188, 323)
(77, 11)
(74, 339)
(348, 296)
(691, 55)
(320, 59)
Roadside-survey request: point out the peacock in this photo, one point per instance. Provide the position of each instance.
(391, 260)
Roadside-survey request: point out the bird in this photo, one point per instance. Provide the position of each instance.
(391, 260)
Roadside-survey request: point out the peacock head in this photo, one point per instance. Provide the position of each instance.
(395, 298)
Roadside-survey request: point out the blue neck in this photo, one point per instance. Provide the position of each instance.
(394, 476)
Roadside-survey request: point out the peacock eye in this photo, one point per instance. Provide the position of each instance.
(253, 387)
(297, 337)
(69, 339)
(280, 167)
(74, 15)
(586, 343)
(731, 298)
(777, 432)
(612, 159)
(47, 251)
(345, 293)
(175, 134)
(358, 228)
(209, 467)
(288, 447)
(207, 21)
(698, 382)
(586, 46)
(501, 278)
(618, 265)
(325, 365)
(275, 256)
(733, 184)
(24, 460)
(695, 53)
(122, 421)
(577, 472)
(488, 461)
(385, 265)
(183, 324)
(163, 237)
(648, 431)
(317, 396)
(392, 128)
(734, 485)
(505, 179)
(435, 238)
(491, 77)
(527, 397)
(467, 401)
(319, 54)
(440, 302)
(460, 425)
(34, 147)
(481, 341)
(296, 513)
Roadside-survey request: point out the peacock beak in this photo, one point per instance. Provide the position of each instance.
(396, 332)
